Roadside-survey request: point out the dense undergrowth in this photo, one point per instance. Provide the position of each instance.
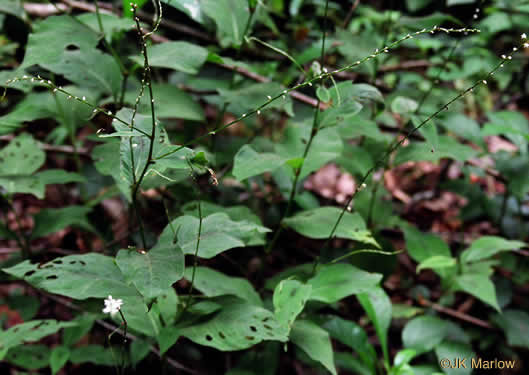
(264, 187)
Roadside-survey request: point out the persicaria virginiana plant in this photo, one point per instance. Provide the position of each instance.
(263, 187)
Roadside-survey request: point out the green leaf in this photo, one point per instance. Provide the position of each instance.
(511, 124)
(415, 5)
(112, 24)
(231, 17)
(424, 333)
(192, 8)
(171, 102)
(463, 126)
(95, 354)
(237, 326)
(58, 358)
(403, 357)
(436, 262)
(422, 246)
(429, 131)
(403, 105)
(76, 276)
(515, 324)
(51, 220)
(289, 300)
(480, 286)
(358, 92)
(182, 56)
(377, 305)
(337, 281)
(22, 156)
(152, 272)
(167, 338)
(254, 96)
(236, 213)
(319, 222)
(488, 246)
(29, 357)
(218, 234)
(212, 283)
(87, 276)
(315, 342)
(351, 334)
(29, 332)
(18, 160)
(59, 176)
(450, 3)
(34, 106)
(248, 163)
(423, 151)
(323, 94)
(327, 145)
(54, 36)
(454, 351)
(90, 69)
(84, 323)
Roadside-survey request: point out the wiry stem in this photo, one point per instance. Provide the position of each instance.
(399, 143)
(313, 80)
(313, 133)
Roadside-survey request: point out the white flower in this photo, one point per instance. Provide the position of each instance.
(112, 306)
(526, 45)
(524, 36)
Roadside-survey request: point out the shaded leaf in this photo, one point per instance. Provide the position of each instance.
(212, 283)
(153, 271)
(337, 281)
(314, 341)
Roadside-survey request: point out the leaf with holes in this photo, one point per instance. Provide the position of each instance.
(154, 271)
(319, 222)
(212, 283)
(88, 276)
(337, 281)
(29, 332)
(290, 297)
(18, 161)
(237, 326)
(218, 234)
(314, 341)
(55, 35)
(30, 357)
(90, 69)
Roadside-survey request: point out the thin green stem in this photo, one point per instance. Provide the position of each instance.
(20, 238)
(311, 81)
(382, 160)
(313, 133)
(195, 256)
(147, 70)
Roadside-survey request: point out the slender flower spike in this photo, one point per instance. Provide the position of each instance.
(112, 306)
